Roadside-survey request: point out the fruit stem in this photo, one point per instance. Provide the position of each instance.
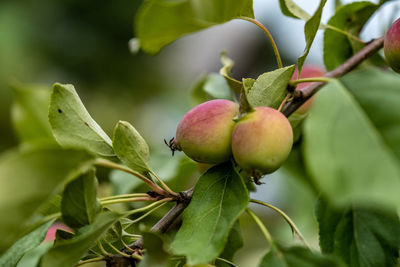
(314, 79)
(226, 261)
(103, 251)
(91, 260)
(128, 213)
(284, 101)
(164, 185)
(112, 165)
(269, 35)
(126, 200)
(125, 196)
(135, 256)
(287, 219)
(261, 226)
(146, 214)
(333, 28)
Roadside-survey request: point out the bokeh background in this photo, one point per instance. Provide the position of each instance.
(86, 43)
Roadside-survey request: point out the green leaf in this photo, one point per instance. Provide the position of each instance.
(360, 236)
(33, 256)
(344, 152)
(52, 206)
(291, 9)
(270, 88)
(79, 204)
(377, 92)
(72, 125)
(211, 86)
(160, 22)
(234, 243)
(279, 256)
(130, 147)
(68, 252)
(310, 30)
(225, 71)
(27, 180)
(220, 196)
(156, 255)
(24, 244)
(29, 113)
(350, 18)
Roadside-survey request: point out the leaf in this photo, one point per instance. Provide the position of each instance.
(52, 206)
(360, 236)
(351, 19)
(377, 93)
(130, 147)
(310, 30)
(72, 125)
(345, 154)
(156, 255)
(234, 243)
(29, 113)
(225, 71)
(18, 249)
(79, 204)
(33, 256)
(270, 88)
(291, 9)
(220, 196)
(210, 86)
(279, 256)
(177, 18)
(27, 180)
(68, 252)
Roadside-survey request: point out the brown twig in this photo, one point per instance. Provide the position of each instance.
(307, 92)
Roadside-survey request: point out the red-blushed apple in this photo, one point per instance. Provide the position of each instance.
(262, 140)
(391, 46)
(308, 71)
(204, 133)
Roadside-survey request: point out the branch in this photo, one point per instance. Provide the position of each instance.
(307, 92)
(160, 227)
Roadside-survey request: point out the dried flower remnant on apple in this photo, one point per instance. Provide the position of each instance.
(391, 46)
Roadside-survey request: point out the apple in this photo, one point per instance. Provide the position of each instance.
(391, 46)
(262, 140)
(204, 133)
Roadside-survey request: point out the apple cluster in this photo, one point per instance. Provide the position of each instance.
(260, 141)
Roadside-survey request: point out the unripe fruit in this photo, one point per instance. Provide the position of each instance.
(204, 133)
(308, 71)
(391, 46)
(262, 140)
